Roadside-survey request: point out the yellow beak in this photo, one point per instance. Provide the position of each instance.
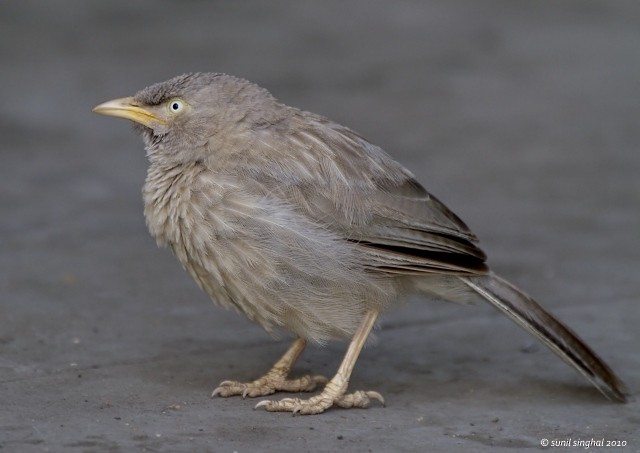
(128, 109)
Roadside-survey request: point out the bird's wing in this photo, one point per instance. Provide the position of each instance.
(354, 188)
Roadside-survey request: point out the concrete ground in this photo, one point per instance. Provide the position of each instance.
(522, 116)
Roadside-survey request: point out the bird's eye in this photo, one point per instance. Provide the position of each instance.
(176, 106)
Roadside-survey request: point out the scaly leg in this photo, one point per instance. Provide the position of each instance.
(334, 392)
(276, 379)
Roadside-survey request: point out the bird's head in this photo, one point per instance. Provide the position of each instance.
(179, 118)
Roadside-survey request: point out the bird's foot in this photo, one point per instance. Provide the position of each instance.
(268, 384)
(320, 403)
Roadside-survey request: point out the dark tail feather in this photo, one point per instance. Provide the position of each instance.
(534, 318)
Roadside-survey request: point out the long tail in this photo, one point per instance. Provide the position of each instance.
(559, 338)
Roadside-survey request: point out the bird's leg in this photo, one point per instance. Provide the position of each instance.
(276, 378)
(334, 392)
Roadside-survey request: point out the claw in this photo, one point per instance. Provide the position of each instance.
(376, 396)
(360, 399)
(293, 405)
(261, 404)
(216, 391)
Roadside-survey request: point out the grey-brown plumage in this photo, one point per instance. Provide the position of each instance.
(303, 225)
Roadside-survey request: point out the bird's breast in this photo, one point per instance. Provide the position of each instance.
(183, 208)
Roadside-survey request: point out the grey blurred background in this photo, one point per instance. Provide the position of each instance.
(522, 116)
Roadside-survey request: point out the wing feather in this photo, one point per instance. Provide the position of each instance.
(355, 189)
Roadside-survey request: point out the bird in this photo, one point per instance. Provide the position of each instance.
(304, 226)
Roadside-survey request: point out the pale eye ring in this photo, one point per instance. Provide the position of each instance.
(176, 106)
